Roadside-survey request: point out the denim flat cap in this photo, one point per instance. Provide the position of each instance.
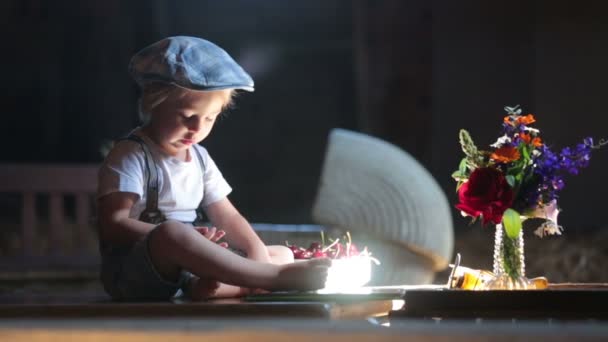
(189, 62)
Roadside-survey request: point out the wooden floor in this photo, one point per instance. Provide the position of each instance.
(290, 329)
(82, 312)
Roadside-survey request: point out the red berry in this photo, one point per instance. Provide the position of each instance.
(315, 246)
(301, 253)
(319, 254)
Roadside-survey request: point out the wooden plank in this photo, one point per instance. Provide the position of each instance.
(218, 308)
(83, 216)
(57, 224)
(28, 219)
(45, 266)
(48, 178)
(503, 304)
(98, 304)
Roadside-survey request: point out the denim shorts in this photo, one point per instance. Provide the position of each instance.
(128, 274)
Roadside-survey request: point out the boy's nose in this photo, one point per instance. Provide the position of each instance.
(194, 124)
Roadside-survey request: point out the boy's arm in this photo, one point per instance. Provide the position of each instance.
(239, 232)
(114, 222)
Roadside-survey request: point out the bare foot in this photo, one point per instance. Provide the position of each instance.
(304, 275)
(203, 288)
(206, 288)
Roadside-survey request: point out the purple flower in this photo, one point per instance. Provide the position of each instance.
(549, 167)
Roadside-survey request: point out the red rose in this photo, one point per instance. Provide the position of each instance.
(486, 193)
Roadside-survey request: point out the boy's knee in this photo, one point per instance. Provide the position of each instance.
(163, 242)
(171, 231)
(162, 245)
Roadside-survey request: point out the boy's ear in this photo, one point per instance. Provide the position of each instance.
(230, 104)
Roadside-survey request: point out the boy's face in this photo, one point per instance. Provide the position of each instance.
(186, 118)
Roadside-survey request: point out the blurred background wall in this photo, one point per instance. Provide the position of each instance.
(410, 72)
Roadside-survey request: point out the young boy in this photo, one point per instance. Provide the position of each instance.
(153, 182)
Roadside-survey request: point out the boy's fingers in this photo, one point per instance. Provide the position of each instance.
(211, 233)
(223, 244)
(202, 230)
(220, 234)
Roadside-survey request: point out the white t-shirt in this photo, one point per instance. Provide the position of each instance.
(182, 184)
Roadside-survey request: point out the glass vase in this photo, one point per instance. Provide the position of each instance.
(509, 263)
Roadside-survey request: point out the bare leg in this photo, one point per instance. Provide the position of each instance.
(174, 246)
(208, 288)
(202, 289)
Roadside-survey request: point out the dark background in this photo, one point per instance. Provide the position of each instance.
(410, 72)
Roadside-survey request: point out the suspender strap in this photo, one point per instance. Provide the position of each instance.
(151, 214)
(200, 160)
(199, 214)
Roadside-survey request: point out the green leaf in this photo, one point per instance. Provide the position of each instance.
(512, 223)
(462, 167)
(526, 153)
(467, 144)
(474, 157)
(462, 173)
(458, 185)
(518, 177)
(510, 180)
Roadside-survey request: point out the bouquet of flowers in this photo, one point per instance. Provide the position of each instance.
(519, 177)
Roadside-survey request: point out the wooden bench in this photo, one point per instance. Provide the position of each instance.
(58, 238)
(55, 242)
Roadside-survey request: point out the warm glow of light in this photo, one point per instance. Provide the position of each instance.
(348, 275)
(398, 304)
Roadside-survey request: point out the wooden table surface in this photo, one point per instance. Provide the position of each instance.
(568, 301)
(27, 305)
(40, 317)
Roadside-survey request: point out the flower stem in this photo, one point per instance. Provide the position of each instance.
(511, 257)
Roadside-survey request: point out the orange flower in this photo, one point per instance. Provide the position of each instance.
(507, 120)
(505, 154)
(526, 120)
(525, 137)
(529, 140)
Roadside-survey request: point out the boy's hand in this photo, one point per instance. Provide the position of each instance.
(213, 234)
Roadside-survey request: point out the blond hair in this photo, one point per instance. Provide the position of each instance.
(155, 93)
